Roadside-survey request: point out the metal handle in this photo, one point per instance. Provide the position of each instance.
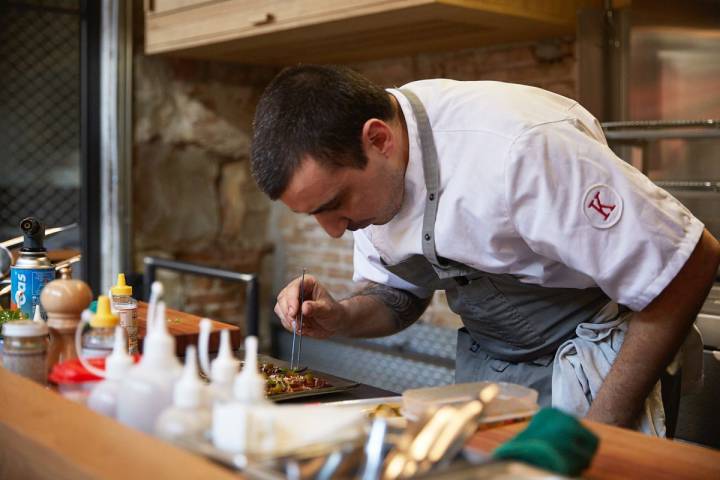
(265, 19)
(252, 289)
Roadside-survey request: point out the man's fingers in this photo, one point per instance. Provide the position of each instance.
(284, 320)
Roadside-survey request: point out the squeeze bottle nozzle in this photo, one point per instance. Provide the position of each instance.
(38, 316)
(159, 344)
(118, 362)
(103, 316)
(250, 384)
(189, 389)
(121, 287)
(224, 368)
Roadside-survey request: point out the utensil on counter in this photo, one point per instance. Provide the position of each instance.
(295, 362)
(437, 440)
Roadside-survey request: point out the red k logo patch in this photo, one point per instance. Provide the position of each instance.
(602, 206)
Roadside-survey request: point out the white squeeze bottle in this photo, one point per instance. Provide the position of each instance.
(188, 418)
(104, 397)
(245, 424)
(223, 371)
(148, 387)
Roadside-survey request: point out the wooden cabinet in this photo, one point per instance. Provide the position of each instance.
(278, 32)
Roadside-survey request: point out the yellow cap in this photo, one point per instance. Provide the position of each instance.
(121, 288)
(103, 317)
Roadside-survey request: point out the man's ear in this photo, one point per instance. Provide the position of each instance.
(377, 135)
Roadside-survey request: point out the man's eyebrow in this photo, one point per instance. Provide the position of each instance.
(329, 205)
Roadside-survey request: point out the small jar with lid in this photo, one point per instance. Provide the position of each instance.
(25, 349)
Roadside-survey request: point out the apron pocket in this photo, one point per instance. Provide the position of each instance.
(488, 314)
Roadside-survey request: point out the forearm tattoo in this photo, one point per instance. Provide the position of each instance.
(405, 306)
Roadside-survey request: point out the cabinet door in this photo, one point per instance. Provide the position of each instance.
(159, 6)
(169, 27)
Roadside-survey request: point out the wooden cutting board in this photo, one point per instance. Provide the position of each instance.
(186, 328)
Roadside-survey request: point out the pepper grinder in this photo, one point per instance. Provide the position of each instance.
(64, 300)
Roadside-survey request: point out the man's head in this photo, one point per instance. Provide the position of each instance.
(330, 143)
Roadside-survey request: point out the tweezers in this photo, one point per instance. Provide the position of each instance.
(295, 363)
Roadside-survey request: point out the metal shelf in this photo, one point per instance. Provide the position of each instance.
(689, 185)
(648, 130)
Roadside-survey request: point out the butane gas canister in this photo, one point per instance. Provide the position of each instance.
(32, 270)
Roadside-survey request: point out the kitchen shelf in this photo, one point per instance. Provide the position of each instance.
(281, 32)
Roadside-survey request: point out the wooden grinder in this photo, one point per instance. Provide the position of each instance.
(64, 300)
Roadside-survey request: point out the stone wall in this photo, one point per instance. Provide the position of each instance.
(194, 198)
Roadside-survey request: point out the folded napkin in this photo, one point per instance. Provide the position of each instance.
(554, 441)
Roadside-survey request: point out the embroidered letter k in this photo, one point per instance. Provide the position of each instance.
(604, 210)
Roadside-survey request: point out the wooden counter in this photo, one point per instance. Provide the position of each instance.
(628, 454)
(185, 327)
(43, 436)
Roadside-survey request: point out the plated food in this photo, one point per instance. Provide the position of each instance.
(284, 380)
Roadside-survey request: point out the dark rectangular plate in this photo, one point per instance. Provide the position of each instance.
(337, 384)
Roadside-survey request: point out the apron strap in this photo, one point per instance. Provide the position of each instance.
(432, 176)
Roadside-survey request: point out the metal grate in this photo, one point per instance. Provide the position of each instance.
(421, 356)
(39, 112)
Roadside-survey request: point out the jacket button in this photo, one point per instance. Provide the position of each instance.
(427, 237)
(432, 197)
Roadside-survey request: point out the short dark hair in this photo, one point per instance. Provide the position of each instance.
(312, 110)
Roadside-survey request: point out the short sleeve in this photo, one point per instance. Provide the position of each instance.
(573, 200)
(367, 267)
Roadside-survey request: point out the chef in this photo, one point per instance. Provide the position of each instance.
(506, 197)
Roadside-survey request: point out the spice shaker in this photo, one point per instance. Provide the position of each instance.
(25, 349)
(64, 300)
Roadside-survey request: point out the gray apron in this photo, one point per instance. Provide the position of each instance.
(511, 329)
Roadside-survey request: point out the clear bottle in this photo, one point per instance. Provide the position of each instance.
(104, 397)
(188, 418)
(125, 306)
(99, 340)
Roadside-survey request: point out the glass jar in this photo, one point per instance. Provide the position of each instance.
(25, 349)
(98, 342)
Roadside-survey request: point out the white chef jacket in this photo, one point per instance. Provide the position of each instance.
(529, 187)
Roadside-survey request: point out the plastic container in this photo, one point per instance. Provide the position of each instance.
(188, 418)
(125, 306)
(99, 340)
(104, 397)
(246, 422)
(223, 371)
(147, 389)
(74, 381)
(514, 401)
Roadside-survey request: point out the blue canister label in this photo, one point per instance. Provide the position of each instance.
(26, 285)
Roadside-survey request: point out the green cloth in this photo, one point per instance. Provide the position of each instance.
(553, 441)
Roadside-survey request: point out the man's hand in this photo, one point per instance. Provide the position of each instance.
(375, 311)
(322, 315)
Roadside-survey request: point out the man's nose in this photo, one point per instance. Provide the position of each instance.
(334, 225)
